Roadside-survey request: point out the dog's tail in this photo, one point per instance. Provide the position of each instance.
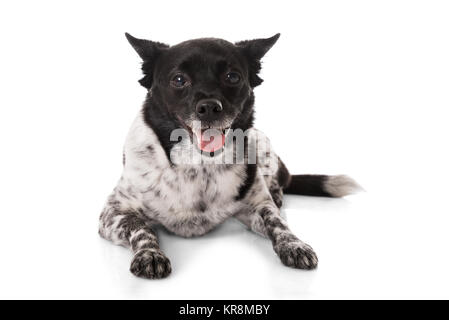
(321, 185)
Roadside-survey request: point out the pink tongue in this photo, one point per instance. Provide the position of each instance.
(211, 140)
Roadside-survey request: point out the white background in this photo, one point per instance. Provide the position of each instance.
(355, 87)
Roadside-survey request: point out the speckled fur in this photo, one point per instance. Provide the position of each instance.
(188, 200)
(162, 187)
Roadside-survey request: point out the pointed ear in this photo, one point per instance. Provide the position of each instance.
(254, 50)
(145, 48)
(149, 51)
(257, 48)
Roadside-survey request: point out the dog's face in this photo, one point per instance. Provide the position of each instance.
(205, 85)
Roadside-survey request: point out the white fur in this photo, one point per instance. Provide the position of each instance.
(178, 194)
(341, 185)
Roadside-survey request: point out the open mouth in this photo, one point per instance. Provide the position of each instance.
(207, 139)
(210, 139)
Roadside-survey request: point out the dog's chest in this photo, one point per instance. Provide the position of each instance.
(191, 200)
(193, 187)
(188, 199)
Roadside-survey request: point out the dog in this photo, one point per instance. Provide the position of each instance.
(184, 170)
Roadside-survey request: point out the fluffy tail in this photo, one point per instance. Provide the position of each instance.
(321, 185)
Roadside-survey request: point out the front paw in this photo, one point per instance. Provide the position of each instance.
(150, 264)
(297, 254)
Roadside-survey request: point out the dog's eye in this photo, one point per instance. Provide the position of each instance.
(232, 78)
(179, 81)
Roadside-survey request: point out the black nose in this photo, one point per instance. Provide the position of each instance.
(206, 108)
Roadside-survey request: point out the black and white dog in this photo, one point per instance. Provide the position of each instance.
(192, 158)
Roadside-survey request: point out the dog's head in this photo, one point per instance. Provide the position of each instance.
(203, 85)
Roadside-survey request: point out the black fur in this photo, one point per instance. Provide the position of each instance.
(283, 175)
(208, 82)
(251, 170)
(149, 51)
(308, 185)
(254, 50)
(161, 122)
(205, 62)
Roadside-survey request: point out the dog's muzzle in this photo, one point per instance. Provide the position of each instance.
(209, 109)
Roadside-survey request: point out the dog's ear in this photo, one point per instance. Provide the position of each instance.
(149, 51)
(254, 50)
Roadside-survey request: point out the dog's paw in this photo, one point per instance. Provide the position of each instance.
(150, 264)
(297, 254)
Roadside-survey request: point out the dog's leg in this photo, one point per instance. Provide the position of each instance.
(263, 217)
(130, 228)
(292, 251)
(276, 194)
